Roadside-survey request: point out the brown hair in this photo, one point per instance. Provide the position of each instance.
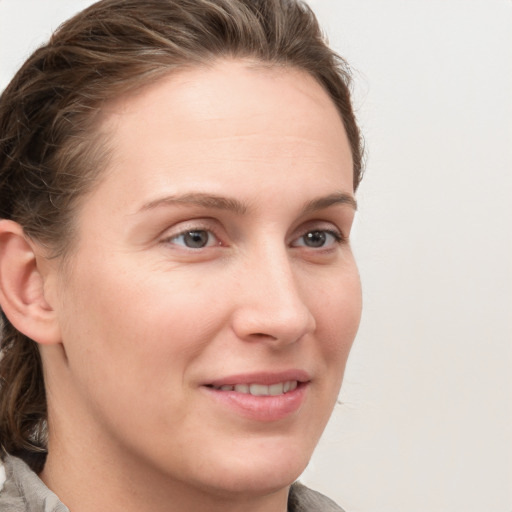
(50, 154)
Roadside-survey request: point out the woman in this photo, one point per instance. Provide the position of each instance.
(178, 292)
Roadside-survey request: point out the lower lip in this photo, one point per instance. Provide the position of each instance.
(261, 408)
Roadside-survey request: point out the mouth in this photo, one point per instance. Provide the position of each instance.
(261, 396)
(256, 389)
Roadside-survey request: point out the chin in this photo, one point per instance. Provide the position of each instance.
(253, 482)
(264, 471)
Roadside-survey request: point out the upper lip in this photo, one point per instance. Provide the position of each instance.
(265, 377)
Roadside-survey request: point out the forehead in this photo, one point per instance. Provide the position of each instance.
(242, 95)
(197, 127)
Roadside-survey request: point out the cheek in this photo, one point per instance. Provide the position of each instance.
(137, 320)
(338, 312)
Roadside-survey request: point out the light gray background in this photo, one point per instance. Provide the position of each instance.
(425, 422)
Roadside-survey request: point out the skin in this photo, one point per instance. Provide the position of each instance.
(143, 321)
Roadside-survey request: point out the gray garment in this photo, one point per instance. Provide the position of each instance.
(24, 491)
(302, 499)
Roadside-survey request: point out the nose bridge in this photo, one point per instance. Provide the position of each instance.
(271, 305)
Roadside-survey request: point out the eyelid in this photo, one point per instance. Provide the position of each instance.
(174, 239)
(336, 234)
(184, 227)
(331, 226)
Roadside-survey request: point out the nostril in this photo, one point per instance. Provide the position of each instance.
(261, 336)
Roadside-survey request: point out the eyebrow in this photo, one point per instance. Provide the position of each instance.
(330, 200)
(239, 208)
(199, 199)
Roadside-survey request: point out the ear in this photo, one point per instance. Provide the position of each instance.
(22, 286)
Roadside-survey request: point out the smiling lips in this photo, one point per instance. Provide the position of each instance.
(261, 397)
(261, 389)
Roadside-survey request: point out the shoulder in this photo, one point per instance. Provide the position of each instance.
(303, 499)
(24, 491)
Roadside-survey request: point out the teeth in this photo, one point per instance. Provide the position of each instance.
(276, 389)
(258, 390)
(261, 389)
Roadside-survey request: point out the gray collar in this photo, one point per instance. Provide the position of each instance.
(303, 499)
(24, 491)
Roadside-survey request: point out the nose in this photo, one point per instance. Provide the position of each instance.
(270, 306)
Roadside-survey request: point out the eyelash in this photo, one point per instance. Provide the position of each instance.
(337, 238)
(189, 231)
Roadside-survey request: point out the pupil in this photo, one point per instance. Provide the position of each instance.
(196, 239)
(315, 239)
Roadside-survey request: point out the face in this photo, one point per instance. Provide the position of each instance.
(212, 298)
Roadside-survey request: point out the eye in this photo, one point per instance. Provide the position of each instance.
(194, 239)
(318, 238)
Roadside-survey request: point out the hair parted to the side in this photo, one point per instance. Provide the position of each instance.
(51, 155)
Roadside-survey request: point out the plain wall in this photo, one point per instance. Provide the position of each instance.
(425, 420)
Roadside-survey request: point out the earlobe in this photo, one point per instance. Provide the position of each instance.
(22, 287)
